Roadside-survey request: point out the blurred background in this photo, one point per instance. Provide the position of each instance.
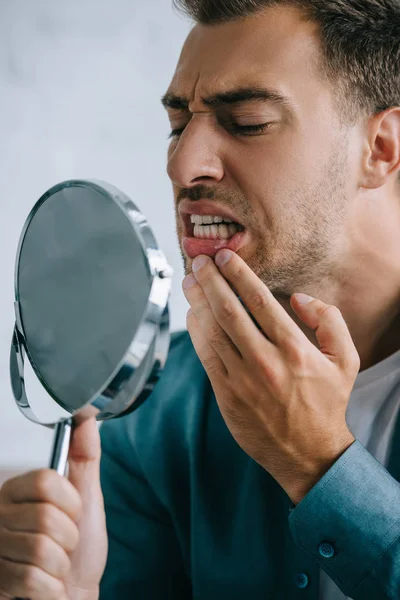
(81, 83)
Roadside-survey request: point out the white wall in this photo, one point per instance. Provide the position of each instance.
(81, 82)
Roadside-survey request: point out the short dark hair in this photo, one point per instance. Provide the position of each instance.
(360, 43)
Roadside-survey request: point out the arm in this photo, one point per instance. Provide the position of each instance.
(144, 558)
(355, 508)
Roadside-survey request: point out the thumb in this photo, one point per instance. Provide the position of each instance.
(84, 454)
(88, 560)
(330, 328)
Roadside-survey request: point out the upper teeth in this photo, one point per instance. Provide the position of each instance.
(208, 220)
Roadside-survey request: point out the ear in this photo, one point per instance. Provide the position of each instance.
(381, 161)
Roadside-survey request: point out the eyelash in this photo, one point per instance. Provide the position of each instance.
(239, 129)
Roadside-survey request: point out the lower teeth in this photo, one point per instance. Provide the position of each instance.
(216, 232)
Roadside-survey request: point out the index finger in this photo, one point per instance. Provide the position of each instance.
(44, 485)
(259, 300)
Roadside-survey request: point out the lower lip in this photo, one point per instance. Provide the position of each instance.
(195, 246)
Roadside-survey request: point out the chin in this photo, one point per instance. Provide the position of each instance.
(187, 267)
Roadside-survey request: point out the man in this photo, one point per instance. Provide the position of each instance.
(265, 464)
(285, 119)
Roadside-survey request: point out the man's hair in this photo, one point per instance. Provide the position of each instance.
(360, 45)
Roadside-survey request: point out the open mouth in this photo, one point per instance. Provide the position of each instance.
(206, 234)
(208, 227)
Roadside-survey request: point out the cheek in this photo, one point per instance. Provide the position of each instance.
(273, 176)
(263, 179)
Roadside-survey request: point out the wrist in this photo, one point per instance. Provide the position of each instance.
(301, 485)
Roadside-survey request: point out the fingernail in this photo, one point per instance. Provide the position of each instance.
(223, 257)
(189, 281)
(199, 263)
(303, 298)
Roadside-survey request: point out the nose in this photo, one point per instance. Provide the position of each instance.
(196, 154)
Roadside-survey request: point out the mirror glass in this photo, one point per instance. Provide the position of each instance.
(83, 286)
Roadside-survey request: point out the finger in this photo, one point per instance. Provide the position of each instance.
(44, 485)
(35, 549)
(229, 312)
(214, 334)
(212, 363)
(27, 581)
(269, 314)
(331, 330)
(43, 518)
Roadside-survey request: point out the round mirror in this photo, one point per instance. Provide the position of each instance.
(91, 303)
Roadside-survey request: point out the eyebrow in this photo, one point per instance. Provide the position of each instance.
(235, 96)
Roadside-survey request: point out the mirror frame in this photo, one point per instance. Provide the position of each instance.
(140, 368)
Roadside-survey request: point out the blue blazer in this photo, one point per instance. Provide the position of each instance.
(191, 516)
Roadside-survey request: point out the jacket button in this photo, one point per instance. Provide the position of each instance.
(301, 580)
(326, 550)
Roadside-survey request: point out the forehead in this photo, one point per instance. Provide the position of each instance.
(277, 47)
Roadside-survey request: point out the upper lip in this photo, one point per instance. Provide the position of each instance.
(202, 207)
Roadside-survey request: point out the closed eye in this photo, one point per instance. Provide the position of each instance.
(237, 129)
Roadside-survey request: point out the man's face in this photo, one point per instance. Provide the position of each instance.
(289, 185)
